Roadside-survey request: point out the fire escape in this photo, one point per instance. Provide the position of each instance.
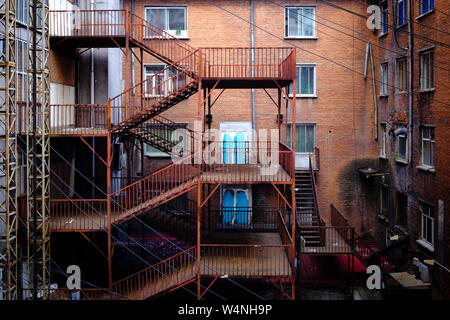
(136, 112)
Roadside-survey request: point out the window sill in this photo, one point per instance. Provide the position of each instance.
(303, 96)
(402, 162)
(382, 35)
(427, 90)
(383, 157)
(425, 245)
(425, 14)
(159, 38)
(383, 96)
(426, 168)
(301, 38)
(402, 25)
(401, 92)
(157, 155)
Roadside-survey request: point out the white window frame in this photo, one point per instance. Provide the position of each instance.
(383, 140)
(160, 154)
(384, 77)
(426, 215)
(426, 84)
(23, 72)
(432, 142)
(23, 5)
(286, 23)
(184, 32)
(149, 74)
(298, 79)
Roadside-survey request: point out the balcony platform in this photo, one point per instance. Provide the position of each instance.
(334, 244)
(244, 173)
(249, 255)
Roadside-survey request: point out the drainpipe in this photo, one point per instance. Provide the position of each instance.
(252, 40)
(92, 101)
(411, 85)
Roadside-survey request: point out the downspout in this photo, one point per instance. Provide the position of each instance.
(252, 40)
(92, 101)
(411, 85)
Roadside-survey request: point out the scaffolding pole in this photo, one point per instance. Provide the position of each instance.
(38, 151)
(8, 152)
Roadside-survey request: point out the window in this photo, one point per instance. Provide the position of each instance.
(305, 81)
(427, 213)
(384, 200)
(2, 48)
(384, 18)
(300, 22)
(160, 132)
(173, 20)
(22, 55)
(428, 146)
(383, 140)
(402, 209)
(154, 86)
(22, 11)
(162, 83)
(305, 138)
(401, 144)
(426, 70)
(401, 75)
(401, 12)
(426, 6)
(384, 79)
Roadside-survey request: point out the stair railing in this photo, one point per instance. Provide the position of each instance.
(168, 273)
(320, 222)
(147, 94)
(175, 177)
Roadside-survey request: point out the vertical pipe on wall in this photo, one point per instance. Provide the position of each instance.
(410, 80)
(252, 40)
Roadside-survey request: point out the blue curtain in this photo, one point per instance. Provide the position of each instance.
(227, 148)
(228, 206)
(239, 143)
(242, 208)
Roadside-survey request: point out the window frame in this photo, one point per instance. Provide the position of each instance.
(429, 216)
(397, 146)
(184, 32)
(405, 13)
(303, 124)
(384, 74)
(432, 146)
(430, 9)
(24, 7)
(298, 80)
(430, 79)
(286, 22)
(383, 141)
(398, 87)
(384, 19)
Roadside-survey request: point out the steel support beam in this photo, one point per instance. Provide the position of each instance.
(38, 150)
(8, 153)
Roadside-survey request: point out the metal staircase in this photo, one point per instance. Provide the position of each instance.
(308, 215)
